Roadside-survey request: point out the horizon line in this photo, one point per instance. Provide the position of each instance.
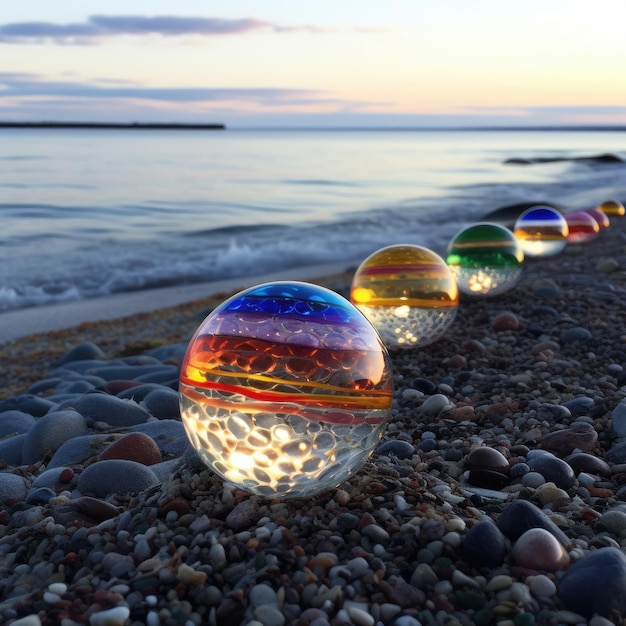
(326, 127)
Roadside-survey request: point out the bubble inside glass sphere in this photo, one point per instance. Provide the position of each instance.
(486, 259)
(612, 207)
(285, 389)
(542, 231)
(408, 293)
(582, 227)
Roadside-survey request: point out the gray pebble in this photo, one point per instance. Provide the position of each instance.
(50, 478)
(11, 449)
(580, 405)
(163, 403)
(618, 418)
(78, 450)
(28, 403)
(396, 448)
(12, 487)
(41, 495)
(50, 432)
(115, 476)
(553, 413)
(81, 352)
(576, 334)
(435, 404)
(15, 422)
(243, 516)
(102, 407)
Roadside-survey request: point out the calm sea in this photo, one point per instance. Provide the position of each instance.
(86, 213)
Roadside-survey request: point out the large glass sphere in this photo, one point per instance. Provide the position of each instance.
(285, 389)
(486, 259)
(542, 231)
(408, 293)
(612, 207)
(582, 227)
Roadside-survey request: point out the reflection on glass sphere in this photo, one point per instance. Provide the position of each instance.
(486, 259)
(408, 293)
(542, 231)
(285, 389)
(612, 207)
(582, 227)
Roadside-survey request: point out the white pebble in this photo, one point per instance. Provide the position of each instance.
(455, 524)
(116, 616)
(58, 588)
(152, 600)
(542, 587)
(50, 598)
(360, 618)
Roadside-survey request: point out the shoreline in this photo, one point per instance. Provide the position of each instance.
(19, 323)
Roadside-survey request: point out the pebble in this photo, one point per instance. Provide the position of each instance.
(618, 419)
(553, 470)
(111, 410)
(396, 448)
(575, 335)
(50, 432)
(521, 515)
(542, 587)
(581, 437)
(15, 422)
(116, 616)
(435, 404)
(540, 550)
(484, 545)
(116, 476)
(505, 321)
(133, 447)
(12, 487)
(595, 584)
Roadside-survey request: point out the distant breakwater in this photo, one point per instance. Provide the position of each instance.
(107, 125)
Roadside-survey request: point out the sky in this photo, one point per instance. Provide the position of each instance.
(252, 63)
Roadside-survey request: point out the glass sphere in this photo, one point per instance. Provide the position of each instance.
(600, 217)
(408, 293)
(486, 259)
(285, 389)
(612, 207)
(542, 231)
(582, 227)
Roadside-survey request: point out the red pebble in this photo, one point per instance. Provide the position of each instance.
(66, 475)
(178, 504)
(505, 321)
(133, 447)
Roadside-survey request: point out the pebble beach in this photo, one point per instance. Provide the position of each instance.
(496, 496)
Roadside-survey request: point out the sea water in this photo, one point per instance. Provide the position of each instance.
(87, 213)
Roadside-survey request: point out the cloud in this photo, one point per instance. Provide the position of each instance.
(28, 87)
(98, 27)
